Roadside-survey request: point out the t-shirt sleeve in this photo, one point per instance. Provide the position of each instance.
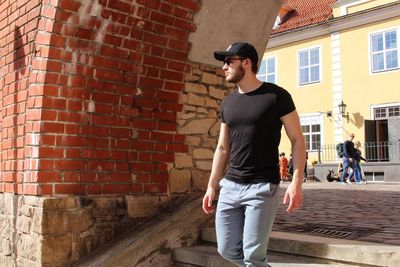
(221, 111)
(285, 103)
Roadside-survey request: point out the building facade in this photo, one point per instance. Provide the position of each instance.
(340, 54)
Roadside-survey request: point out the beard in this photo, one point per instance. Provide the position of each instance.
(236, 76)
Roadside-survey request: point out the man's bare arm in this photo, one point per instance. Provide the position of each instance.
(220, 160)
(293, 193)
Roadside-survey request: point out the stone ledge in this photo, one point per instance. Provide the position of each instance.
(350, 251)
(155, 239)
(336, 249)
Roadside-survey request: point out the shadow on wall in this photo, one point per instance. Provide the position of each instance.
(358, 120)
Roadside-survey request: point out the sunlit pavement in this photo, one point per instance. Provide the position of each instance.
(368, 212)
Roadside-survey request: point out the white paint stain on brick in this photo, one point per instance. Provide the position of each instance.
(99, 35)
(91, 106)
(89, 9)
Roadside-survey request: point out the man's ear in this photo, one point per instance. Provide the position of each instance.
(247, 62)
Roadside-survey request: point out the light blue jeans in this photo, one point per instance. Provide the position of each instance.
(243, 221)
(356, 172)
(346, 165)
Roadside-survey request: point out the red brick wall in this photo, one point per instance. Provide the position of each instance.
(18, 24)
(90, 92)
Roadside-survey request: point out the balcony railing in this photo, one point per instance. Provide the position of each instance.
(372, 151)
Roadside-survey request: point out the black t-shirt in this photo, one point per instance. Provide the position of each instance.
(348, 147)
(255, 132)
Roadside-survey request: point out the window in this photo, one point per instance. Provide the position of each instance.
(311, 127)
(384, 113)
(384, 51)
(309, 66)
(267, 71)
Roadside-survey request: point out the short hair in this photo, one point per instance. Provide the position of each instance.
(254, 66)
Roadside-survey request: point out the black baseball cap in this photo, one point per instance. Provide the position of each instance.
(244, 50)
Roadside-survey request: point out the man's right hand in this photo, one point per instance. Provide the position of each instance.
(208, 198)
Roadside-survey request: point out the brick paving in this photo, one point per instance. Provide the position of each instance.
(369, 212)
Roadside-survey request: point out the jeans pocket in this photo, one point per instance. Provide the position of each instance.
(267, 189)
(222, 182)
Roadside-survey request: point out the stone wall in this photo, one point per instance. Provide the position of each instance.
(205, 87)
(48, 231)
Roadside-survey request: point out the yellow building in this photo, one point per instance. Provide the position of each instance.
(340, 54)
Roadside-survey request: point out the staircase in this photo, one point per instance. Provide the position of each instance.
(172, 237)
(286, 249)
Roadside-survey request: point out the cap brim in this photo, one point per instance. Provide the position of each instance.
(221, 55)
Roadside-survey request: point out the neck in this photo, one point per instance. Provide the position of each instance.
(248, 84)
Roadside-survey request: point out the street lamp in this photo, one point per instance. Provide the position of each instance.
(342, 109)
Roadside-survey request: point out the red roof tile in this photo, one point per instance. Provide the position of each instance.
(304, 13)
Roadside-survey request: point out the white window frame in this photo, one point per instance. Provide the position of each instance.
(264, 76)
(308, 49)
(370, 58)
(384, 106)
(313, 119)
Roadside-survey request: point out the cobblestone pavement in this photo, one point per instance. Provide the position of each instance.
(368, 212)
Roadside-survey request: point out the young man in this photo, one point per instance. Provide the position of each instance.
(251, 122)
(348, 158)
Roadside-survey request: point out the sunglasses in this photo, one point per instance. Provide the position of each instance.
(228, 61)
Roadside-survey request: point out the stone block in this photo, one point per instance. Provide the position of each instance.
(28, 246)
(6, 227)
(212, 113)
(212, 103)
(108, 209)
(8, 261)
(200, 180)
(191, 78)
(37, 222)
(62, 222)
(179, 181)
(195, 100)
(197, 127)
(23, 224)
(203, 153)
(195, 88)
(203, 165)
(10, 204)
(209, 143)
(142, 206)
(214, 130)
(183, 160)
(33, 201)
(211, 79)
(2, 204)
(56, 249)
(65, 203)
(6, 247)
(217, 93)
(186, 115)
(27, 211)
(192, 140)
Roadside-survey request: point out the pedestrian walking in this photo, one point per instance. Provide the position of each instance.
(250, 133)
(283, 167)
(357, 172)
(348, 158)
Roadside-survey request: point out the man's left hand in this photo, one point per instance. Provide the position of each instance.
(294, 196)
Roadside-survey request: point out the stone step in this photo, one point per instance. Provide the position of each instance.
(207, 256)
(349, 251)
(201, 255)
